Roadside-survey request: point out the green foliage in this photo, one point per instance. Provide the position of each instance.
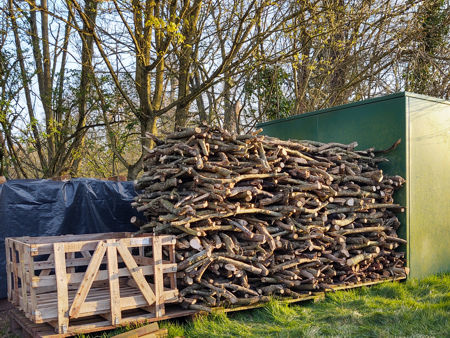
(433, 37)
(412, 308)
(267, 86)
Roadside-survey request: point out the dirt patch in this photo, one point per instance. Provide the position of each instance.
(5, 306)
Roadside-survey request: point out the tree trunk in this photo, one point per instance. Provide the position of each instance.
(229, 119)
(2, 155)
(195, 82)
(46, 93)
(85, 82)
(182, 111)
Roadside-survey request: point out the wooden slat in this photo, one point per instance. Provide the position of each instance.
(8, 269)
(102, 305)
(89, 277)
(113, 274)
(77, 277)
(140, 331)
(23, 276)
(173, 275)
(156, 334)
(70, 255)
(51, 261)
(73, 262)
(71, 238)
(30, 275)
(90, 243)
(159, 282)
(136, 273)
(15, 270)
(61, 286)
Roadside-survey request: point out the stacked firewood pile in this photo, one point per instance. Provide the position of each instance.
(256, 216)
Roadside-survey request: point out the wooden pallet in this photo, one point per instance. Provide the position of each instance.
(58, 279)
(24, 327)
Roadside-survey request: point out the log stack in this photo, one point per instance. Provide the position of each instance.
(256, 216)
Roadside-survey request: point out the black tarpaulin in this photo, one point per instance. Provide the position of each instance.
(51, 208)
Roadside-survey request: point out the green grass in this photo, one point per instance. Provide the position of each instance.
(413, 308)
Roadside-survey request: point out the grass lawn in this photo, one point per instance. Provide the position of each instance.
(412, 308)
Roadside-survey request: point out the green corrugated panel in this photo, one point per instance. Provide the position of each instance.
(423, 125)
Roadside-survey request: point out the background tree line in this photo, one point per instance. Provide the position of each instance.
(83, 81)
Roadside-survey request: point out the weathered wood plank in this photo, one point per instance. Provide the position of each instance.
(140, 331)
(8, 269)
(77, 277)
(113, 274)
(159, 283)
(23, 277)
(61, 286)
(15, 270)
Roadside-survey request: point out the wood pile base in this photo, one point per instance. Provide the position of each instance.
(316, 296)
(23, 327)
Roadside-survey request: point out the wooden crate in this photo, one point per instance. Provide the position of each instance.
(58, 279)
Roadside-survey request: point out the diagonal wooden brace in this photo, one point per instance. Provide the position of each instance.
(136, 273)
(88, 279)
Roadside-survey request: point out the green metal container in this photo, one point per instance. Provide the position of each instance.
(423, 158)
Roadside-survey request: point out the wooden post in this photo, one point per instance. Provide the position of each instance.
(29, 278)
(8, 268)
(61, 287)
(113, 274)
(172, 275)
(159, 281)
(15, 274)
(23, 279)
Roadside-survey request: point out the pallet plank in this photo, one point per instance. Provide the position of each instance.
(152, 327)
(28, 278)
(113, 274)
(77, 277)
(15, 270)
(159, 283)
(23, 276)
(172, 276)
(62, 287)
(8, 269)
